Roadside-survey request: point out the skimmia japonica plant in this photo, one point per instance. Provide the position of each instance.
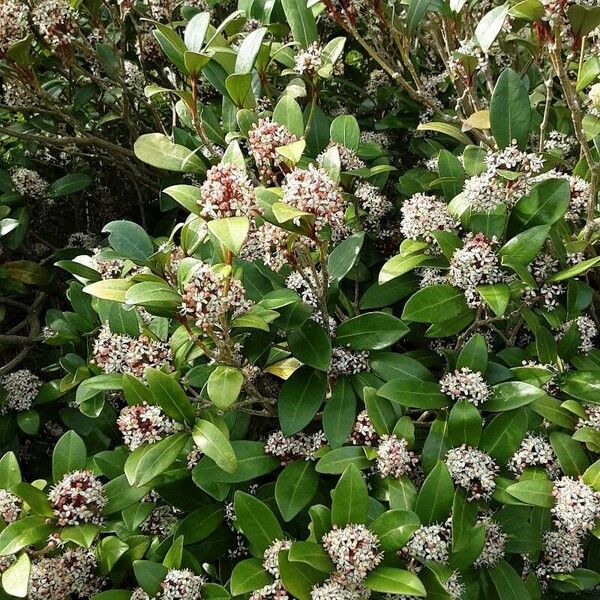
(356, 355)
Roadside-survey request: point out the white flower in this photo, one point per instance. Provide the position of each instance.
(263, 139)
(21, 389)
(181, 584)
(271, 591)
(268, 244)
(56, 21)
(587, 332)
(429, 542)
(161, 521)
(336, 588)
(345, 361)
(465, 384)
(271, 556)
(13, 23)
(593, 417)
(143, 424)
(473, 470)
(299, 445)
(562, 552)
(353, 550)
(29, 183)
(308, 62)
(423, 215)
(349, 160)
(363, 432)
(393, 457)
(577, 505)
(494, 545)
(78, 498)
(534, 451)
(594, 96)
(374, 203)
(10, 506)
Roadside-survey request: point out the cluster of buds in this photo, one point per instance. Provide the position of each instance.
(29, 184)
(473, 265)
(592, 419)
(473, 470)
(465, 384)
(298, 446)
(577, 505)
(120, 353)
(349, 160)
(534, 451)
(313, 191)
(78, 498)
(353, 550)
(21, 389)
(143, 424)
(587, 332)
(56, 21)
(345, 361)
(13, 23)
(181, 584)
(374, 203)
(423, 215)
(271, 591)
(429, 543)
(363, 432)
(562, 552)
(393, 457)
(10, 506)
(271, 556)
(109, 268)
(338, 588)
(542, 267)
(209, 295)
(269, 245)
(227, 192)
(263, 140)
(161, 521)
(494, 544)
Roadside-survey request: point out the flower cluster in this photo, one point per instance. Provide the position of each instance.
(423, 215)
(263, 140)
(494, 543)
(181, 584)
(78, 498)
(10, 506)
(29, 184)
(374, 203)
(534, 451)
(308, 62)
(268, 244)
(473, 470)
(56, 21)
(586, 328)
(353, 550)
(577, 505)
(363, 432)
(393, 457)
(271, 591)
(562, 552)
(300, 445)
(161, 521)
(227, 192)
(120, 353)
(271, 556)
(21, 389)
(13, 23)
(429, 543)
(345, 361)
(143, 424)
(465, 384)
(209, 295)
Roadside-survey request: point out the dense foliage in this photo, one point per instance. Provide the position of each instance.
(350, 352)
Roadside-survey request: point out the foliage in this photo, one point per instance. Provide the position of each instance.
(355, 358)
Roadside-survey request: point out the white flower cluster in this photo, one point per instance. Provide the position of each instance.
(78, 498)
(29, 184)
(473, 265)
(382, 138)
(227, 192)
(21, 388)
(353, 550)
(271, 556)
(300, 445)
(484, 192)
(363, 432)
(577, 505)
(161, 521)
(429, 542)
(181, 584)
(542, 267)
(308, 62)
(513, 159)
(465, 384)
(306, 284)
(593, 417)
(374, 203)
(587, 332)
(393, 457)
(193, 457)
(581, 193)
(311, 190)
(10, 506)
(562, 552)
(56, 21)
(143, 424)
(494, 543)
(57, 577)
(473, 470)
(534, 451)
(349, 160)
(338, 588)
(120, 353)
(13, 23)
(263, 139)
(423, 215)
(109, 268)
(268, 244)
(209, 295)
(271, 591)
(345, 361)
(378, 78)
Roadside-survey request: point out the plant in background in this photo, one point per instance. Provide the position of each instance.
(358, 361)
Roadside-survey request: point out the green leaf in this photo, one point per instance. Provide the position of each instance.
(394, 528)
(224, 386)
(288, 112)
(129, 240)
(406, 391)
(508, 583)
(583, 385)
(150, 460)
(336, 461)
(311, 345)
(399, 265)
(15, 579)
(248, 50)
(199, 524)
(69, 184)
(301, 22)
(156, 297)
(22, 533)
(110, 549)
(231, 232)
(349, 498)
(312, 554)
(68, 455)
(109, 289)
(344, 256)
(344, 130)
(436, 495)
(583, 20)
(464, 424)
(300, 398)
(537, 492)
(452, 172)
(157, 150)
(474, 354)
(195, 31)
(512, 394)
(247, 576)
(10, 473)
(496, 296)
(501, 438)
(370, 331)
(510, 112)
(395, 581)
(187, 195)
(339, 413)
(591, 476)
(490, 25)
(298, 578)
(256, 521)
(149, 575)
(34, 497)
(169, 395)
(571, 456)
(211, 441)
(295, 487)
(573, 271)
(435, 304)
(445, 128)
(415, 13)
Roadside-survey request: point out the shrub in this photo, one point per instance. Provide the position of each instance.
(359, 362)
